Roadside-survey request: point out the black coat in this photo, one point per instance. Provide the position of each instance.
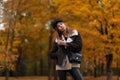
(59, 52)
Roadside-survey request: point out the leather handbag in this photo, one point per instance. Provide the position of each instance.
(75, 57)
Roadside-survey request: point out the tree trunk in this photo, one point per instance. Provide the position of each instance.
(95, 69)
(109, 58)
(118, 71)
(12, 23)
(41, 67)
(6, 50)
(17, 67)
(7, 74)
(99, 67)
(102, 68)
(50, 62)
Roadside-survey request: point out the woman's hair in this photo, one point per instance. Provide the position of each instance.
(54, 22)
(59, 33)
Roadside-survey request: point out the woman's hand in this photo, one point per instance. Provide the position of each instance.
(61, 42)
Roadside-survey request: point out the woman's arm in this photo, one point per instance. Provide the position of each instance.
(53, 50)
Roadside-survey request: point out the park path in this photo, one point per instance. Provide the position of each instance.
(46, 78)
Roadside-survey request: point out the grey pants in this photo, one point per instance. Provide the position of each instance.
(74, 72)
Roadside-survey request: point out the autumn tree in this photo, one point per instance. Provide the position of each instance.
(28, 22)
(99, 18)
(32, 19)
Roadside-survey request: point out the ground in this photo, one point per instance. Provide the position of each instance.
(46, 78)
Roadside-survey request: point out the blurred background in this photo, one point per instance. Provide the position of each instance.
(26, 36)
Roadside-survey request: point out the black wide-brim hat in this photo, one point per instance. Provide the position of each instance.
(54, 22)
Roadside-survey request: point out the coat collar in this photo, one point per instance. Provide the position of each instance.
(74, 33)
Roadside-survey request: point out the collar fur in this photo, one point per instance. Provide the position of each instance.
(74, 33)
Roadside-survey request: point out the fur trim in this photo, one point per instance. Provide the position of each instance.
(75, 32)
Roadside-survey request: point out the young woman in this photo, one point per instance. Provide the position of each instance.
(67, 40)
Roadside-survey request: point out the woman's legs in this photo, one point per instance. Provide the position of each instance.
(61, 74)
(76, 74)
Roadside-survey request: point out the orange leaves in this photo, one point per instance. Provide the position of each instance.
(2, 56)
(97, 14)
(115, 21)
(68, 7)
(8, 59)
(84, 15)
(93, 24)
(116, 7)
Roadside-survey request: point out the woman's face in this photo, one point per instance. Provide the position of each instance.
(61, 26)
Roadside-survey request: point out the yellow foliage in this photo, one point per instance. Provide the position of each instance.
(83, 15)
(97, 14)
(93, 24)
(9, 60)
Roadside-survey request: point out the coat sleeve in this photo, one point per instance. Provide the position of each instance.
(76, 44)
(53, 50)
